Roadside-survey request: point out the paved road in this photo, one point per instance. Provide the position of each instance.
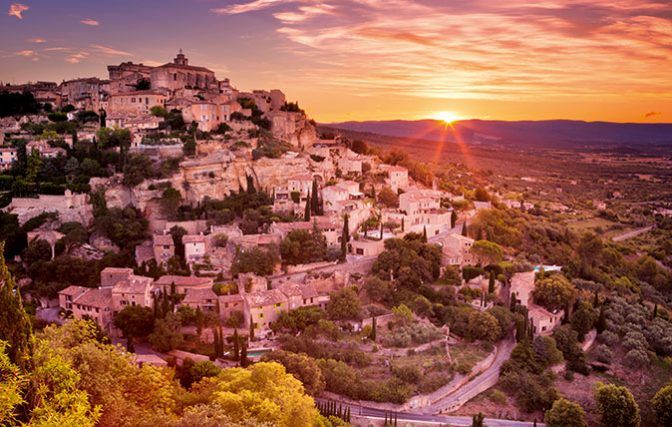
(374, 413)
(631, 234)
(479, 384)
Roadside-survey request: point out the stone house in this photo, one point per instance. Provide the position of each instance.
(138, 103)
(195, 247)
(93, 303)
(132, 291)
(163, 247)
(397, 176)
(183, 284)
(366, 247)
(264, 307)
(543, 320)
(45, 150)
(456, 250)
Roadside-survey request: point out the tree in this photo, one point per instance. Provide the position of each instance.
(662, 405)
(244, 361)
(15, 327)
(134, 321)
(464, 229)
(483, 326)
(546, 351)
(374, 328)
(453, 219)
(554, 292)
(304, 368)
(306, 215)
(487, 252)
(303, 247)
(491, 282)
(565, 413)
(478, 420)
(617, 406)
(344, 305)
(166, 335)
(583, 319)
(171, 199)
(314, 199)
(345, 237)
(236, 345)
(388, 198)
(258, 261)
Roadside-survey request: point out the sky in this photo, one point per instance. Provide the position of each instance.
(342, 60)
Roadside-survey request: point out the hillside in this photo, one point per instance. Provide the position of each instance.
(548, 134)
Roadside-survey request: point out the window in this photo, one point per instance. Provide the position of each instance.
(261, 315)
(133, 100)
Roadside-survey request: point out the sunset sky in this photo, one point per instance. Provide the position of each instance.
(374, 59)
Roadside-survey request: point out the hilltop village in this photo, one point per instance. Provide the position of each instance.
(202, 227)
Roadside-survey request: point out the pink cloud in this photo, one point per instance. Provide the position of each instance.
(37, 40)
(90, 22)
(17, 9)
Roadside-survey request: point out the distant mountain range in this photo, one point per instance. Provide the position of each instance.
(548, 133)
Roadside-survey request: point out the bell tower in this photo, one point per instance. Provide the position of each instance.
(180, 59)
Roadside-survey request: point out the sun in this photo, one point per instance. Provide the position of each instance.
(446, 116)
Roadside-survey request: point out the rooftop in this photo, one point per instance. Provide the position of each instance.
(183, 281)
(270, 297)
(99, 297)
(163, 239)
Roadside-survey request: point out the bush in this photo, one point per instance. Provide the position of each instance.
(603, 354)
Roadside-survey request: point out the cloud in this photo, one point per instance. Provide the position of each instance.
(477, 49)
(247, 7)
(30, 54)
(17, 9)
(37, 40)
(90, 22)
(77, 57)
(109, 51)
(652, 114)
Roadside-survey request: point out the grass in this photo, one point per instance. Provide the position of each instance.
(466, 355)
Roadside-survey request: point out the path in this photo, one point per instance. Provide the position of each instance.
(483, 381)
(632, 233)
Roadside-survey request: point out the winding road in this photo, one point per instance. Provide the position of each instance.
(381, 414)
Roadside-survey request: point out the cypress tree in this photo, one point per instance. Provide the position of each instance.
(381, 228)
(221, 341)
(345, 237)
(464, 229)
(215, 342)
(596, 299)
(340, 410)
(480, 234)
(15, 327)
(314, 200)
(491, 283)
(655, 311)
(403, 224)
(395, 419)
(373, 329)
(424, 234)
(236, 345)
(244, 362)
(251, 329)
(306, 214)
(173, 296)
(347, 415)
(453, 219)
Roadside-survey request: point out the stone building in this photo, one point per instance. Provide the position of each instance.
(178, 75)
(126, 76)
(136, 103)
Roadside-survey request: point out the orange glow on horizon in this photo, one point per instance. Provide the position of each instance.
(447, 117)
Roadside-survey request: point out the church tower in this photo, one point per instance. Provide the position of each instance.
(180, 59)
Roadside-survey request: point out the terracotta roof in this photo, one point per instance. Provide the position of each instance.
(308, 290)
(525, 280)
(99, 297)
(184, 67)
(73, 290)
(270, 297)
(231, 298)
(197, 296)
(163, 239)
(135, 284)
(117, 270)
(291, 289)
(183, 281)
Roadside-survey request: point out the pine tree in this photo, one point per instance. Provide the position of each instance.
(306, 214)
(453, 219)
(477, 420)
(491, 283)
(424, 234)
(464, 229)
(15, 327)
